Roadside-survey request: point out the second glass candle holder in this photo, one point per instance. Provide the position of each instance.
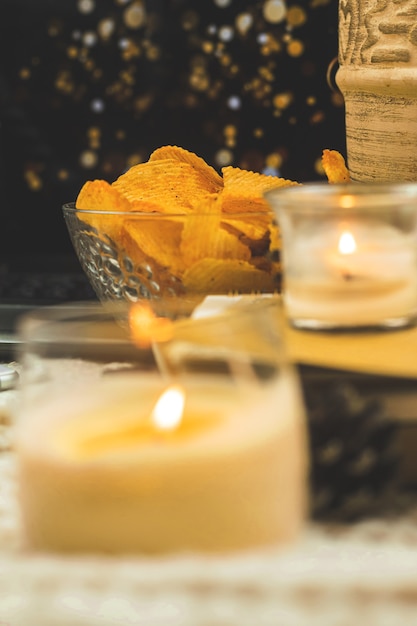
(349, 254)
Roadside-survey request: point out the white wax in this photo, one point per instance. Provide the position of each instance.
(91, 480)
(358, 303)
(376, 282)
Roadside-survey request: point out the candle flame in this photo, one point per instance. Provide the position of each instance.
(347, 243)
(168, 411)
(146, 327)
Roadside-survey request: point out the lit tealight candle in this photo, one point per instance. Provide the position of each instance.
(360, 274)
(349, 254)
(131, 466)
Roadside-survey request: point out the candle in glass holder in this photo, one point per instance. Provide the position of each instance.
(134, 464)
(349, 255)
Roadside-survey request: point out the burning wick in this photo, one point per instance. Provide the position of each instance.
(346, 246)
(168, 411)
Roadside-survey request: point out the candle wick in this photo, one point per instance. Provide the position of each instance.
(347, 275)
(161, 362)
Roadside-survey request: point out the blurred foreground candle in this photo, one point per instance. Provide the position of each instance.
(133, 462)
(349, 254)
(102, 475)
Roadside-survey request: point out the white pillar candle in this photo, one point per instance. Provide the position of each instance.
(103, 474)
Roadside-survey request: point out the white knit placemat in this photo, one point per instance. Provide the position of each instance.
(365, 574)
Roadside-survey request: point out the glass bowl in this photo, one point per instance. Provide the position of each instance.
(134, 256)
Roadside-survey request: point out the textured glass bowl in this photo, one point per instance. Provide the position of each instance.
(134, 256)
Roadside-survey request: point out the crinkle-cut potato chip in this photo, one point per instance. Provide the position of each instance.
(258, 244)
(243, 192)
(203, 236)
(158, 279)
(249, 225)
(171, 185)
(239, 184)
(157, 237)
(335, 167)
(217, 276)
(212, 179)
(99, 195)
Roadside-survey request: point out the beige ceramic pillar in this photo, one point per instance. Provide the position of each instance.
(378, 78)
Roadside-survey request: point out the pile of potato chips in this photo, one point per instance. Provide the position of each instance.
(177, 216)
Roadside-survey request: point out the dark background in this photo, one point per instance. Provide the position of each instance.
(90, 87)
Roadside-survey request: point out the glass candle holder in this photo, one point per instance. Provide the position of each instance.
(349, 254)
(202, 448)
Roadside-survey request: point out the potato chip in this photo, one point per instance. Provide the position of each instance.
(155, 237)
(216, 276)
(212, 181)
(99, 195)
(257, 246)
(335, 167)
(243, 192)
(172, 186)
(242, 185)
(145, 271)
(203, 236)
(249, 226)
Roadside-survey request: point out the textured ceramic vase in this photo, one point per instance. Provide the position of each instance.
(377, 76)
